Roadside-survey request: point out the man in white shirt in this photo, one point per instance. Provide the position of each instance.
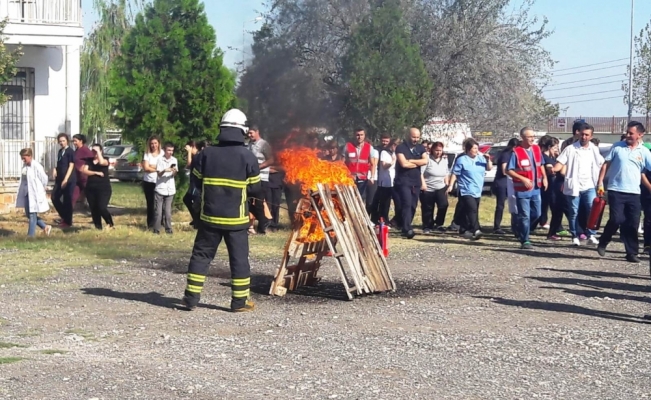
(582, 162)
(386, 171)
(262, 151)
(166, 169)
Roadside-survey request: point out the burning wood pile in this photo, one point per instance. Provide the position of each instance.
(330, 220)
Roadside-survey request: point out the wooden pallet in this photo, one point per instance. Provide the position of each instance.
(355, 249)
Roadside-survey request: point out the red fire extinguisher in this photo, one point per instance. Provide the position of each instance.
(382, 232)
(597, 212)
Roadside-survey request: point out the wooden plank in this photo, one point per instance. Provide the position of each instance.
(343, 239)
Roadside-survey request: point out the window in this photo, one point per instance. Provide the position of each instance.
(17, 114)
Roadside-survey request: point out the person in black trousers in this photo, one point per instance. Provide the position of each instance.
(499, 187)
(193, 195)
(149, 162)
(434, 191)
(411, 156)
(65, 181)
(98, 187)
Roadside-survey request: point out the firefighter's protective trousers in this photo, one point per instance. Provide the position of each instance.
(205, 247)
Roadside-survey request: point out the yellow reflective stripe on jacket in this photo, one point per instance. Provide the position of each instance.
(197, 173)
(225, 182)
(225, 221)
(253, 179)
(197, 278)
(240, 281)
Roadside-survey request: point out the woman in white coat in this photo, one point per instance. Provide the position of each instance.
(31, 194)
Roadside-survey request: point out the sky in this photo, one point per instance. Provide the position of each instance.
(586, 32)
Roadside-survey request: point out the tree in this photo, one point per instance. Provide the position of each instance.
(388, 86)
(169, 78)
(8, 61)
(641, 74)
(101, 47)
(484, 57)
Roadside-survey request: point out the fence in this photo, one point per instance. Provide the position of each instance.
(56, 12)
(45, 152)
(615, 125)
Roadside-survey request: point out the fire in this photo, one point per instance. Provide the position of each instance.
(303, 166)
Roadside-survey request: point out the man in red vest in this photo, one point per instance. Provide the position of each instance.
(357, 154)
(529, 178)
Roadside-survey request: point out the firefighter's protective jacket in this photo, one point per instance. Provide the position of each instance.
(228, 173)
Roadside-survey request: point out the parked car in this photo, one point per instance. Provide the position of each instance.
(112, 153)
(128, 167)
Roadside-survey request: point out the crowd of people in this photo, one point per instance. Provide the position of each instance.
(539, 183)
(232, 179)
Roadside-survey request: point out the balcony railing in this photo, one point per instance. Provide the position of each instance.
(53, 12)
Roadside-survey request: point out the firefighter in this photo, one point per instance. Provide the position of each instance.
(227, 173)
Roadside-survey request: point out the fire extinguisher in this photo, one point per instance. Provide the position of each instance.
(382, 232)
(597, 212)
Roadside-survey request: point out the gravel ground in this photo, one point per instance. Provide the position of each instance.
(469, 321)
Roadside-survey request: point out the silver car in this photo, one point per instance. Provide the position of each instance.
(112, 153)
(128, 167)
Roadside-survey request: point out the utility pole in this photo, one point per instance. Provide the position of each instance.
(630, 72)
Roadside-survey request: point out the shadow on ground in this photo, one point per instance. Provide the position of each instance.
(566, 308)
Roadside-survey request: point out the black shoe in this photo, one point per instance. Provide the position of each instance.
(453, 227)
(441, 229)
(467, 235)
(499, 232)
(632, 258)
(410, 234)
(601, 250)
(477, 235)
(156, 232)
(188, 303)
(169, 231)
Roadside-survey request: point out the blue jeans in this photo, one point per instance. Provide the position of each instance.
(34, 220)
(584, 200)
(529, 208)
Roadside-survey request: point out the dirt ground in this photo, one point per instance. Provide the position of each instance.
(470, 320)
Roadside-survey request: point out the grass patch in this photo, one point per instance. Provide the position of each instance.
(52, 351)
(30, 333)
(7, 345)
(9, 360)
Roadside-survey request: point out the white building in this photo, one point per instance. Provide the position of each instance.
(45, 94)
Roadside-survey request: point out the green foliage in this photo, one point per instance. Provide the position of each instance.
(8, 61)
(100, 49)
(641, 73)
(169, 78)
(388, 84)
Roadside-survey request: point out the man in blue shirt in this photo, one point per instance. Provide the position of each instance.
(410, 157)
(623, 170)
(529, 177)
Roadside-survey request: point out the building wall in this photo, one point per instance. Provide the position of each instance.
(56, 88)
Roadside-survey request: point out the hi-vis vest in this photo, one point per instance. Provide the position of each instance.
(524, 168)
(358, 165)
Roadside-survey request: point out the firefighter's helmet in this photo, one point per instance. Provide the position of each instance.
(235, 118)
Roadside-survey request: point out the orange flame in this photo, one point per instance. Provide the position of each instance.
(303, 166)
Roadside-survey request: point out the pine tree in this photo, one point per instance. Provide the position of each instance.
(388, 86)
(169, 78)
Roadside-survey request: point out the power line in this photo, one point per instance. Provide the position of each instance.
(585, 80)
(586, 94)
(585, 101)
(591, 65)
(592, 70)
(582, 86)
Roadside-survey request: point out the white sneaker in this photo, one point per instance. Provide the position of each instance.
(593, 240)
(576, 242)
(546, 226)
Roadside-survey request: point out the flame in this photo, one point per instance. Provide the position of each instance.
(303, 166)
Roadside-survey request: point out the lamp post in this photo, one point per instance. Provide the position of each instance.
(630, 67)
(255, 20)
